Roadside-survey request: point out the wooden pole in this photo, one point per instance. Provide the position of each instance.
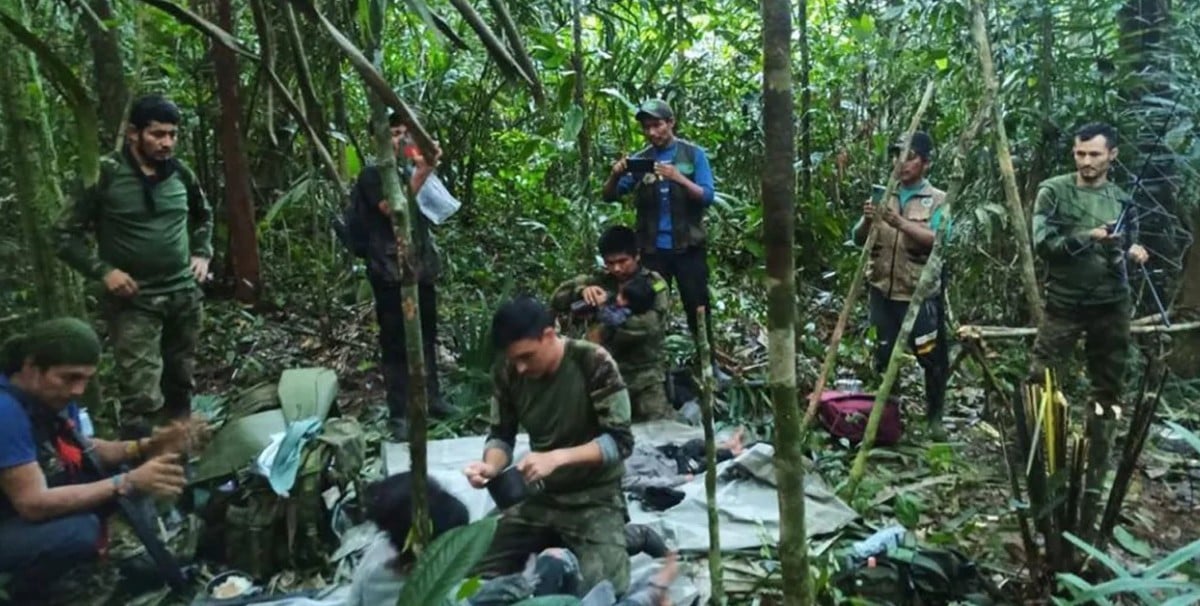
(860, 274)
(1016, 212)
(715, 567)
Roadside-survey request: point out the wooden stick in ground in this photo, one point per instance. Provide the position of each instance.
(1016, 212)
(1017, 332)
(710, 457)
(860, 274)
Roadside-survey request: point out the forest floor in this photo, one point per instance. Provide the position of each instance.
(950, 489)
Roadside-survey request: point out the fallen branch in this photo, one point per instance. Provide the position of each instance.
(970, 332)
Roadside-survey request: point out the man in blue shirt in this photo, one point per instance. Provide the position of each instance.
(907, 225)
(670, 200)
(52, 504)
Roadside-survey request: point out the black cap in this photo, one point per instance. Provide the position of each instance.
(922, 145)
(655, 108)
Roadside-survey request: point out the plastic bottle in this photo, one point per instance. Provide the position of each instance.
(85, 424)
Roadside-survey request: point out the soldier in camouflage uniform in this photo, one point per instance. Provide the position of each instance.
(637, 344)
(569, 396)
(153, 229)
(1075, 233)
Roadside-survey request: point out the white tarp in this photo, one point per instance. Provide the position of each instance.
(748, 504)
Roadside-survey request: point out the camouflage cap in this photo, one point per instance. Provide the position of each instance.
(655, 108)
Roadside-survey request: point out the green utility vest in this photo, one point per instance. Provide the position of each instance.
(897, 261)
(687, 216)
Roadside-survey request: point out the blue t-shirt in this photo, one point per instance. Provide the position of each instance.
(18, 446)
(701, 176)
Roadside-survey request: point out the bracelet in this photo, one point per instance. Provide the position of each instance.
(118, 482)
(133, 449)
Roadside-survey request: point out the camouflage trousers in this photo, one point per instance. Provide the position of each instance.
(1106, 345)
(153, 340)
(648, 394)
(594, 532)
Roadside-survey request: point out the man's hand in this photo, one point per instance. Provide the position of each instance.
(419, 159)
(120, 283)
(537, 465)
(180, 436)
(161, 476)
(618, 167)
(890, 216)
(869, 211)
(478, 473)
(1103, 235)
(594, 295)
(200, 269)
(1138, 254)
(668, 172)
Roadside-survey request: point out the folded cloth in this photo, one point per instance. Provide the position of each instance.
(286, 464)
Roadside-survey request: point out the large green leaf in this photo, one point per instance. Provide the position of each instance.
(550, 600)
(446, 561)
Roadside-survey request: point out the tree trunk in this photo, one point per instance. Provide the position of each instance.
(1044, 153)
(805, 105)
(1016, 211)
(418, 400)
(243, 235)
(779, 219)
(703, 355)
(23, 102)
(584, 139)
(108, 73)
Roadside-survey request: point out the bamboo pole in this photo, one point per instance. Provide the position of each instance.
(715, 567)
(1020, 223)
(1015, 332)
(860, 274)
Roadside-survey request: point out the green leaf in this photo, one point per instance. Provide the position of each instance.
(1184, 434)
(469, 588)
(1131, 543)
(616, 94)
(446, 561)
(572, 123)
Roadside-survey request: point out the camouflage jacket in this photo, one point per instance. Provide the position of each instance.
(637, 344)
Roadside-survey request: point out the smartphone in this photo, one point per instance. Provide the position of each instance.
(877, 192)
(639, 165)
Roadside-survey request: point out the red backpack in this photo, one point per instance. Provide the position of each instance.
(845, 414)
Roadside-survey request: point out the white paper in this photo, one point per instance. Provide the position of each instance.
(435, 200)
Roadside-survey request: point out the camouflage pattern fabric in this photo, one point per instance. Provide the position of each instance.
(1106, 345)
(594, 533)
(154, 346)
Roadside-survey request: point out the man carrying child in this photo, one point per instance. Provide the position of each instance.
(627, 304)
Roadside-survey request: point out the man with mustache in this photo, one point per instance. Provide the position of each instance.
(1084, 229)
(153, 231)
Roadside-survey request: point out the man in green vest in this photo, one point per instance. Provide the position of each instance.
(906, 226)
(637, 343)
(569, 395)
(670, 201)
(1084, 229)
(153, 230)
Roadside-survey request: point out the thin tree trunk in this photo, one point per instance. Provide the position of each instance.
(779, 219)
(856, 285)
(23, 103)
(397, 194)
(584, 139)
(513, 35)
(108, 71)
(1016, 211)
(805, 104)
(312, 106)
(243, 234)
(1044, 152)
(715, 567)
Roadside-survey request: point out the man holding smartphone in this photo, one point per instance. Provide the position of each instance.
(1084, 229)
(906, 225)
(672, 186)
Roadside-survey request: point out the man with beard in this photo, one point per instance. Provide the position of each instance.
(906, 225)
(1084, 229)
(153, 230)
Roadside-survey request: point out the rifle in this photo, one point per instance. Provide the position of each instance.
(144, 528)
